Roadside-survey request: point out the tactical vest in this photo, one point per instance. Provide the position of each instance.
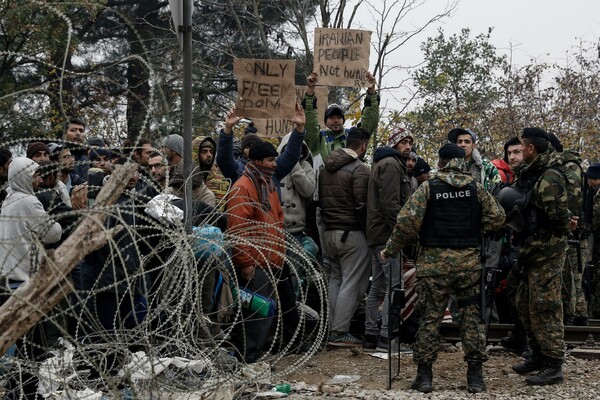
(535, 218)
(453, 216)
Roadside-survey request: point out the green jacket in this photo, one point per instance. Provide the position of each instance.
(323, 142)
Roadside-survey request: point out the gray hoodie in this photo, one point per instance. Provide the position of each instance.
(24, 225)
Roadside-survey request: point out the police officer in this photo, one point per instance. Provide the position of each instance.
(448, 214)
(542, 256)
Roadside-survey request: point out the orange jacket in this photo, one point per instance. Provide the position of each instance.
(259, 233)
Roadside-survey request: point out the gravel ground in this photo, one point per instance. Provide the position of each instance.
(582, 378)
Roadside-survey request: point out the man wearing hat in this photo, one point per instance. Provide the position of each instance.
(447, 214)
(172, 147)
(233, 169)
(389, 188)
(256, 217)
(542, 257)
(421, 171)
(38, 151)
(593, 178)
(480, 167)
(203, 153)
(322, 142)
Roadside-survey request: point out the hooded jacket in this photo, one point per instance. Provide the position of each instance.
(389, 188)
(24, 225)
(297, 189)
(213, 178)
(343, 191)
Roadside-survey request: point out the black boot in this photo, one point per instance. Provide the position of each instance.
(551, 374)
(535, 363)
(475, 382)
(422, 382)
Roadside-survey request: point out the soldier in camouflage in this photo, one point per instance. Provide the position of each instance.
(574, 304)
(448, 214)
(593, 177)
(542, 257)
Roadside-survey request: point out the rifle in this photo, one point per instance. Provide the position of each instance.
(488, 281)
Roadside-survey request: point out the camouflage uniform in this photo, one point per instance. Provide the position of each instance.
(542, 257)
(483, 171)
(595, 254)
(574, 304)
(445, 271)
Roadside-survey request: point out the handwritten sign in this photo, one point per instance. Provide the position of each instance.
(342, 56)
(265, 87)
(281, 127)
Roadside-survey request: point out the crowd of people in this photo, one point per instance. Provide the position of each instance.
(527, 217)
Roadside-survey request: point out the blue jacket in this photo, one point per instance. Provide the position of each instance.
(233, 169)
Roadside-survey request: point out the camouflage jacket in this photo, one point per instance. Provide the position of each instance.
(570, 166)
(483, 171)
(436, 260)
(596, 210)
(323, 142)
(549, 194)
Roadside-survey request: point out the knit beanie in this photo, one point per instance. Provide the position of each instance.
(450, 151)
(100, 151)
(261, 150)
(34, 147)
(250, 139)
(421, 167)
(334, 109)
(397, 135)
(174, 142)
(593, 171)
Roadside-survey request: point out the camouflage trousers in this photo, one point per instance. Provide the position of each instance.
(433, 293)
(574, 304)
(539, 301)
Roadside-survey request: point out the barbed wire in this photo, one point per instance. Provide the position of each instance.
(164, 336)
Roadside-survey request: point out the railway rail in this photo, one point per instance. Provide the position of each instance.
(574, 335)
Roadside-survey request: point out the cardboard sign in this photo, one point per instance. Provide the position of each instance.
(281, 127)
(265, 88)
(342, 56)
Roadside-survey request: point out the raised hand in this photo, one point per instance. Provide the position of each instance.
(299, 118)
(231, 119)
(372, 83)
(311, 81)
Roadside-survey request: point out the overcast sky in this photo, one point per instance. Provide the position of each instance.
(544, 30)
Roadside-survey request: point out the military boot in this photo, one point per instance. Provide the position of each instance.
(475, 382)
(551, 374)
(535, 363)
(422, 382)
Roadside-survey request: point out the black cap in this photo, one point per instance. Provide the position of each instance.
(334, 109)
(450, 151)
(261, 150)
(555, 142)
(593, 171)
(534, 133)
(421, 167)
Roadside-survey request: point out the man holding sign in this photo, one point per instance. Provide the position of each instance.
(323, 142)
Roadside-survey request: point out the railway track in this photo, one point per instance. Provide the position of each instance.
(574, 335)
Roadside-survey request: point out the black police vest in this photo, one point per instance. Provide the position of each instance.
(453, 216)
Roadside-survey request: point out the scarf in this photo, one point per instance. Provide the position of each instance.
(261, 178)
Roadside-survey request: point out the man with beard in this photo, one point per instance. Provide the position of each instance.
(389, 188)
(204, 151)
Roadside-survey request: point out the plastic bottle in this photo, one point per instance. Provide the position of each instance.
(282, 388)
(255, 302)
